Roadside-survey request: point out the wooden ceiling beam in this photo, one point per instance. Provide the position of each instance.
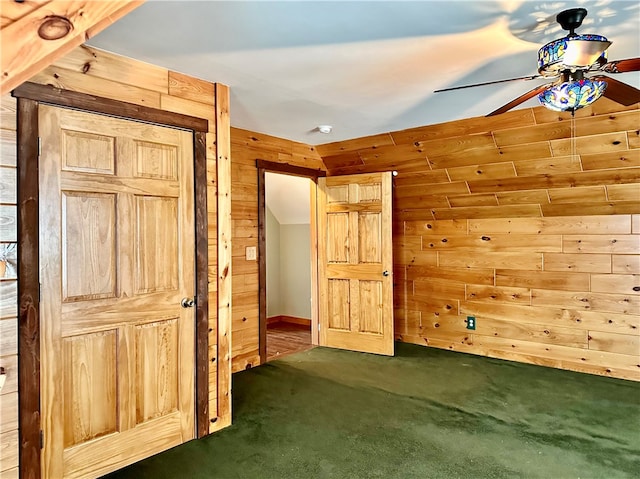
(25, 52)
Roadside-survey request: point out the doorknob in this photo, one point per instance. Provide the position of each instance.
(188, 302)
(385, 273)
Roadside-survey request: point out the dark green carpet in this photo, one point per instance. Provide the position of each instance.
(425, 413)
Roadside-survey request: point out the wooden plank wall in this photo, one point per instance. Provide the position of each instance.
(246, 148)
(8, 291)
(528, 221)
(93, 71)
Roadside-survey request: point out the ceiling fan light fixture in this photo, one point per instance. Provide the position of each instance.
(584, 53)
(572, 95)
(579, 51)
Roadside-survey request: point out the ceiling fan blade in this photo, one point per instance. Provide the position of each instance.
(619, 92)
(520, 99)
(531, 77)
(583, 53)
(622, 66)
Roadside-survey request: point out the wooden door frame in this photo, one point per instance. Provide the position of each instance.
(263, 167)
(29, 96)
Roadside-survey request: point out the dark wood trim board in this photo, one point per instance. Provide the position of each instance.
(263, 167)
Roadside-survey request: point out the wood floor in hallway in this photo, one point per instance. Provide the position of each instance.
(287, 338)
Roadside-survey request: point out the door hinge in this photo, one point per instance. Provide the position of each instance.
(318, 326)
(41, 439)
(39, 146)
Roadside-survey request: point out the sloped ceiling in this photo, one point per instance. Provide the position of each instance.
(365, 67)
(288, 198)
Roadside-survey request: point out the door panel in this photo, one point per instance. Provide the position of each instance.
(88, 246)
(337, 245)
(370, 305)
(88, 152)
(355, 262)
(156, 244)
(156, 369)
(338, 304)
(117, 256)
(90, 406)
(369, 238)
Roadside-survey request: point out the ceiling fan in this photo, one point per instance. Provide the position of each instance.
(575, 61)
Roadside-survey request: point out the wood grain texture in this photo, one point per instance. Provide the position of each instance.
(64, 79)
(614, 342)
(184, 86)
(592, 208)
(116, 377)
(29, 53)
(93, 62)
(250, 150)
(224, 269)
(202, 286)
(586, 263)
(8, 108)
(625, 263)
(483, 156)
(9, 447)
(8, 147)
(9, 408)
(284, 338)
(355, 261)
(8, 295)
(108, 70)
(546, 164)
(539, 227)
(87, 101)
(28, 289)
(7, 185)
(8, 337)
(617, 159)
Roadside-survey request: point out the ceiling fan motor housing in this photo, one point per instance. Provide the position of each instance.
(571, 19)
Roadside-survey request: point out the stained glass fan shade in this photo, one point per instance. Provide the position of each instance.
(572, 95)
(568, 55)
(578, 51)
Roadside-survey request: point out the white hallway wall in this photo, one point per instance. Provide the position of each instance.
(288, 239)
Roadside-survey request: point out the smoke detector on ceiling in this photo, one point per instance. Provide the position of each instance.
(325, 129)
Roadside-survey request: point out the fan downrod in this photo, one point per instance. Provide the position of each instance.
(571, 19)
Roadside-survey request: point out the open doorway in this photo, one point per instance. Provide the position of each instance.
(287, 254)
(288, 261)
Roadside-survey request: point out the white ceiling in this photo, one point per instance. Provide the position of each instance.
(288, 198)
(365, 67)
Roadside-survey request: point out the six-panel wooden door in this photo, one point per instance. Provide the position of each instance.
(356, 262)
(116, 259)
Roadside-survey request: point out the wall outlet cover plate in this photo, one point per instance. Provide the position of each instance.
(471, 322)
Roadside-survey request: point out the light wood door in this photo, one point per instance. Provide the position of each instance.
(116, 258)
(356, 262)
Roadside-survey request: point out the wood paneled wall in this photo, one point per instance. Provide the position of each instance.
(8, 291)
(96, 72)
(527, 221)
(246, 148)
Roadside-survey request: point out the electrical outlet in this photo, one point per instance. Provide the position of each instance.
(250, 253)
(471, 322)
